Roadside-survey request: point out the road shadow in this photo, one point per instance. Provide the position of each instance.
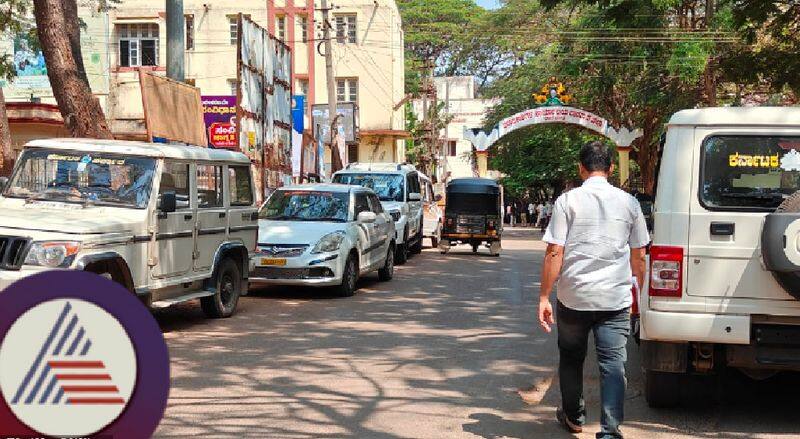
(440, 351)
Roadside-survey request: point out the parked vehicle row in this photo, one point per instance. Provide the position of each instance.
(176, 223)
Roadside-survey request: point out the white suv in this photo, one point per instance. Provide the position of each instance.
(398, 188)
(323, 235)
(724, 283)
(170, 223)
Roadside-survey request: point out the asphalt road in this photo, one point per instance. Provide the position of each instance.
(448, 349)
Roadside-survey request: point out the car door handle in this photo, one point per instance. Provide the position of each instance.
(722, 228)
(188, 217)
(222, 214)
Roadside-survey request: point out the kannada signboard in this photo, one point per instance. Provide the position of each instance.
(219, 113)
(29, 65)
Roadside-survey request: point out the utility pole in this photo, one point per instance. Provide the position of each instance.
(336, 162)
(175, 40)
(429, 122)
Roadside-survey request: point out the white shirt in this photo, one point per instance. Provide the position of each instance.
(597, 224)
(531, 208)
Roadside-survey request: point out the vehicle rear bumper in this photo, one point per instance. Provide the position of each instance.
(695, 327)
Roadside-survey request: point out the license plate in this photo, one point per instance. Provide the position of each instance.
(273, 261)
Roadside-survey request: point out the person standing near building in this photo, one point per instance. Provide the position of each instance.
(595, 245)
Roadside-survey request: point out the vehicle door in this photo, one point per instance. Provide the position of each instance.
(175, 230)
(739, 178)
(414, 207)
(212, 218)
(366, 234)
(384, 227)
(242, 213)
(431, 214)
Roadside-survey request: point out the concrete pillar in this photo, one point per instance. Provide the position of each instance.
(483, 162)
(624, 165)
(176, 49)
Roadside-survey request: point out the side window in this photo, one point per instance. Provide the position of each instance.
(239, 184)
(375, 203)
(209, 186)
(413, 183)
(175, 178)
(362, 205)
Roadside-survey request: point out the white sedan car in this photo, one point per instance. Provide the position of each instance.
(323, 235)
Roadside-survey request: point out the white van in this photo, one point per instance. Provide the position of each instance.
(724, 283)
(398, 187)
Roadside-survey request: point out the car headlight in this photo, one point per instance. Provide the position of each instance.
(329, 243)
(395, 214)
(52, 253)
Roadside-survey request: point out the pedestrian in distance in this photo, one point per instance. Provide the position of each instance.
(532, 213)
(539, 214)
(595, 246)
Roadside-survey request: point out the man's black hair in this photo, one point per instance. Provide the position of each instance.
(596, 156)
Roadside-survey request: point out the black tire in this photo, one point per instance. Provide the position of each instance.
(416, 248)
(386, 273)
(662, 389)
(475, 248)
(228, 289)
(401, 251)
(434, 242)
(349, 278)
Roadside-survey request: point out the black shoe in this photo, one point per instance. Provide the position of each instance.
(569, 425)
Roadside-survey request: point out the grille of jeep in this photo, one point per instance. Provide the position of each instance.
(282, 250)
(13, 250)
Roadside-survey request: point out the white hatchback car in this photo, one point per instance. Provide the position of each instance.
(323, 235)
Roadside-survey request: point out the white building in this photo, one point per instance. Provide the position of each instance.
(467, 111)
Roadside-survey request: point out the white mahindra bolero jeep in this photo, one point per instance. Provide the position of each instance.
(170, 223)
(724, 283)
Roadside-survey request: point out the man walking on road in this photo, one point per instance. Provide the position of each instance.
(596, 245)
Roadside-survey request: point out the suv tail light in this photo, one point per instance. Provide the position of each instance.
(666, 271)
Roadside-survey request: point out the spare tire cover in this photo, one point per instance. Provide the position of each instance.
(780, 244)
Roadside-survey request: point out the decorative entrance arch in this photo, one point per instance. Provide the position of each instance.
(555, 114)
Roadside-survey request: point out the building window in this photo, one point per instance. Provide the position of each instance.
(189, 19)
(346, 28)
(234, 87)
(352, 153)
(233, 28)
(138, 44)
(302, 21)
(451, 148)
(302, 88)
(280, 24)
(347, 90)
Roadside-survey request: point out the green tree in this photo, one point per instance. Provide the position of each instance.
(11, 23)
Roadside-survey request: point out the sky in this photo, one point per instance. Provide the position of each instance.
(488, 4)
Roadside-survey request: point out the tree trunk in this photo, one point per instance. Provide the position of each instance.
(73, 30)
(6, 150)
(82, 114)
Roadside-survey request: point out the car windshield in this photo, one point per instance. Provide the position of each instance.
(749, 172)
(82, 177)
(304, 205)
(388, 187)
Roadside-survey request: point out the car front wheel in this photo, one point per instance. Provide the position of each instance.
(228, 285)
(387, 271)
(349, 278)
(401, 252)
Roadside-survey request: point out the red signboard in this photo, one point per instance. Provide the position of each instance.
(222, 135)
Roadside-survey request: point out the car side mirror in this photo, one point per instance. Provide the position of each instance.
(414, 196)
(437, 198)
(367, 217)
(168, 203)
(3, 183)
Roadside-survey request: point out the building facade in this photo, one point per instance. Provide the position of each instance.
(368, 62)
(459, 93)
